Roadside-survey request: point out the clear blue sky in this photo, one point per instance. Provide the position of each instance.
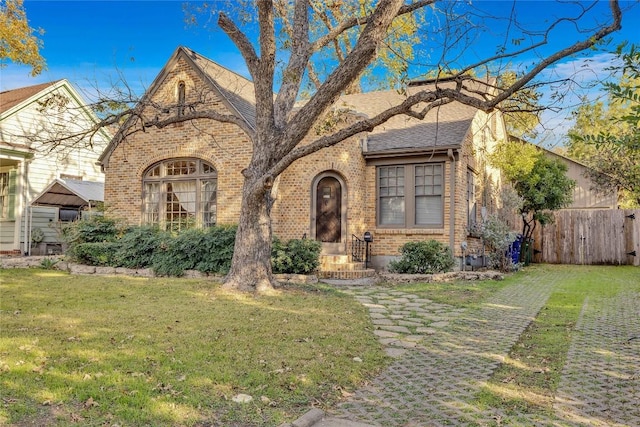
(91, 41)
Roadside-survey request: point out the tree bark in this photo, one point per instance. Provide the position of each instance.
(251, 265)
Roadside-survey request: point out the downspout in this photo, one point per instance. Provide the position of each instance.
(26, 211)
(452, 197)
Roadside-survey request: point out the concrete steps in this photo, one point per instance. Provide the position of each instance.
(341, 267)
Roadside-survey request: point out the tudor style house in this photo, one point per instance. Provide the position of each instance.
(31, 164)
(407, 180)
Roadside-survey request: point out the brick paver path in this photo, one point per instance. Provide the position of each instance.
(600, 384)
(444, 355)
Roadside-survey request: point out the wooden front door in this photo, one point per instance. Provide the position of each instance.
(329, 210)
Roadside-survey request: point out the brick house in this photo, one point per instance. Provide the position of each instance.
(407, 180)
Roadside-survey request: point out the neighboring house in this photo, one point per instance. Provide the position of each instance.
(584, 194)
(407, 180)
(30, 118)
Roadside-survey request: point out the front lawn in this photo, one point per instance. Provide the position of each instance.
(89, 350)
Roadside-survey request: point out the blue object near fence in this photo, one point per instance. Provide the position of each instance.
(514, 249)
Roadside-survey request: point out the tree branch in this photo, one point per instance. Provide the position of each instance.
(241, 41)
(300, 54)
(363, 20)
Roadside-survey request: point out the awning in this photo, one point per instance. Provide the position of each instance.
(71, 194)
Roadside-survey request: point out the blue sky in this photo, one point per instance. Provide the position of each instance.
(92, 41)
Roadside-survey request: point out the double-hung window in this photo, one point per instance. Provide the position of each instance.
(410, 195)
(471, 199)
(180, 193)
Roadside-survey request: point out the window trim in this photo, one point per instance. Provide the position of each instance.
(410, 196)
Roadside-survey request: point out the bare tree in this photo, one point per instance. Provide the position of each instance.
(280, 128)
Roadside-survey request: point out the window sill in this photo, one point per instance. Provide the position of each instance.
(409, 231)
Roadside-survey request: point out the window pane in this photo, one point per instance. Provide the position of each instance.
(429, 210)
(392, 210)
(180, 209)
(151, 208)
(390, 193)
(207, 169)
(181, 167)
(208, 201)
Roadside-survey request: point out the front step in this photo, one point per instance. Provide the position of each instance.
(340, 267)
(345, 275)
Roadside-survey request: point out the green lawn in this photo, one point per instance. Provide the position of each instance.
(89, 350)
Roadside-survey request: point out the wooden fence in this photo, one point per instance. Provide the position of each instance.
(590, 236)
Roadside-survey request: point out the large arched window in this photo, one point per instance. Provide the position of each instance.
(179, 194)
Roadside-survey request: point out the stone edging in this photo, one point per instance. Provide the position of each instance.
(81, 269)
(36, 261)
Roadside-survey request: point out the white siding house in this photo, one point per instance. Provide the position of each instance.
(30, 118)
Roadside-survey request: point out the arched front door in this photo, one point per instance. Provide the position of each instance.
(329, 210)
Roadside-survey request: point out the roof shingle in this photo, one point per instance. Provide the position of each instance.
(13, 97)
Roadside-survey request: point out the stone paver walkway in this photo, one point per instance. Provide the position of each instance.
(444, 355)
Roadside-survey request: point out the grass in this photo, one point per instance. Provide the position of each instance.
(527, 380)
(88, 350)
(458, 294)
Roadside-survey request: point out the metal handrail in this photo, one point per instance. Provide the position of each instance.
(358, 249)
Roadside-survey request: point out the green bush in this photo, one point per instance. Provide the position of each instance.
(138, 245)
(96, 228)
(297, 256)
(209, 250)
(94, 253)
(218, 249)
(423, 257)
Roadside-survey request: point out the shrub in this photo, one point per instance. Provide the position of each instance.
(218, 249)
(94, 253)
(96, 228)
(498, 237)
(208, 250)
(138, 245)
(297, 256)
(422, 258)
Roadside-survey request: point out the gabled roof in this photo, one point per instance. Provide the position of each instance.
(13, 97)
(444, 126)
(71, 193)
(236, 91)
(14, 102)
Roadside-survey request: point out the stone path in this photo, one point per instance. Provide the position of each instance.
(444, 355)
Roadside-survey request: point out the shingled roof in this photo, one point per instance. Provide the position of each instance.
(444, 126)
(13, 97)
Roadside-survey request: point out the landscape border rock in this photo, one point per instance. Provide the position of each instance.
(81, 269)
(61, 264)
(451, 276)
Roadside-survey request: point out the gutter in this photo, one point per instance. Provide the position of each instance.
(410, 151)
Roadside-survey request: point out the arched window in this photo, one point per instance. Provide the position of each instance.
(179, 194)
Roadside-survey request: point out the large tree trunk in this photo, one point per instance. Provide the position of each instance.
(251, 264)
